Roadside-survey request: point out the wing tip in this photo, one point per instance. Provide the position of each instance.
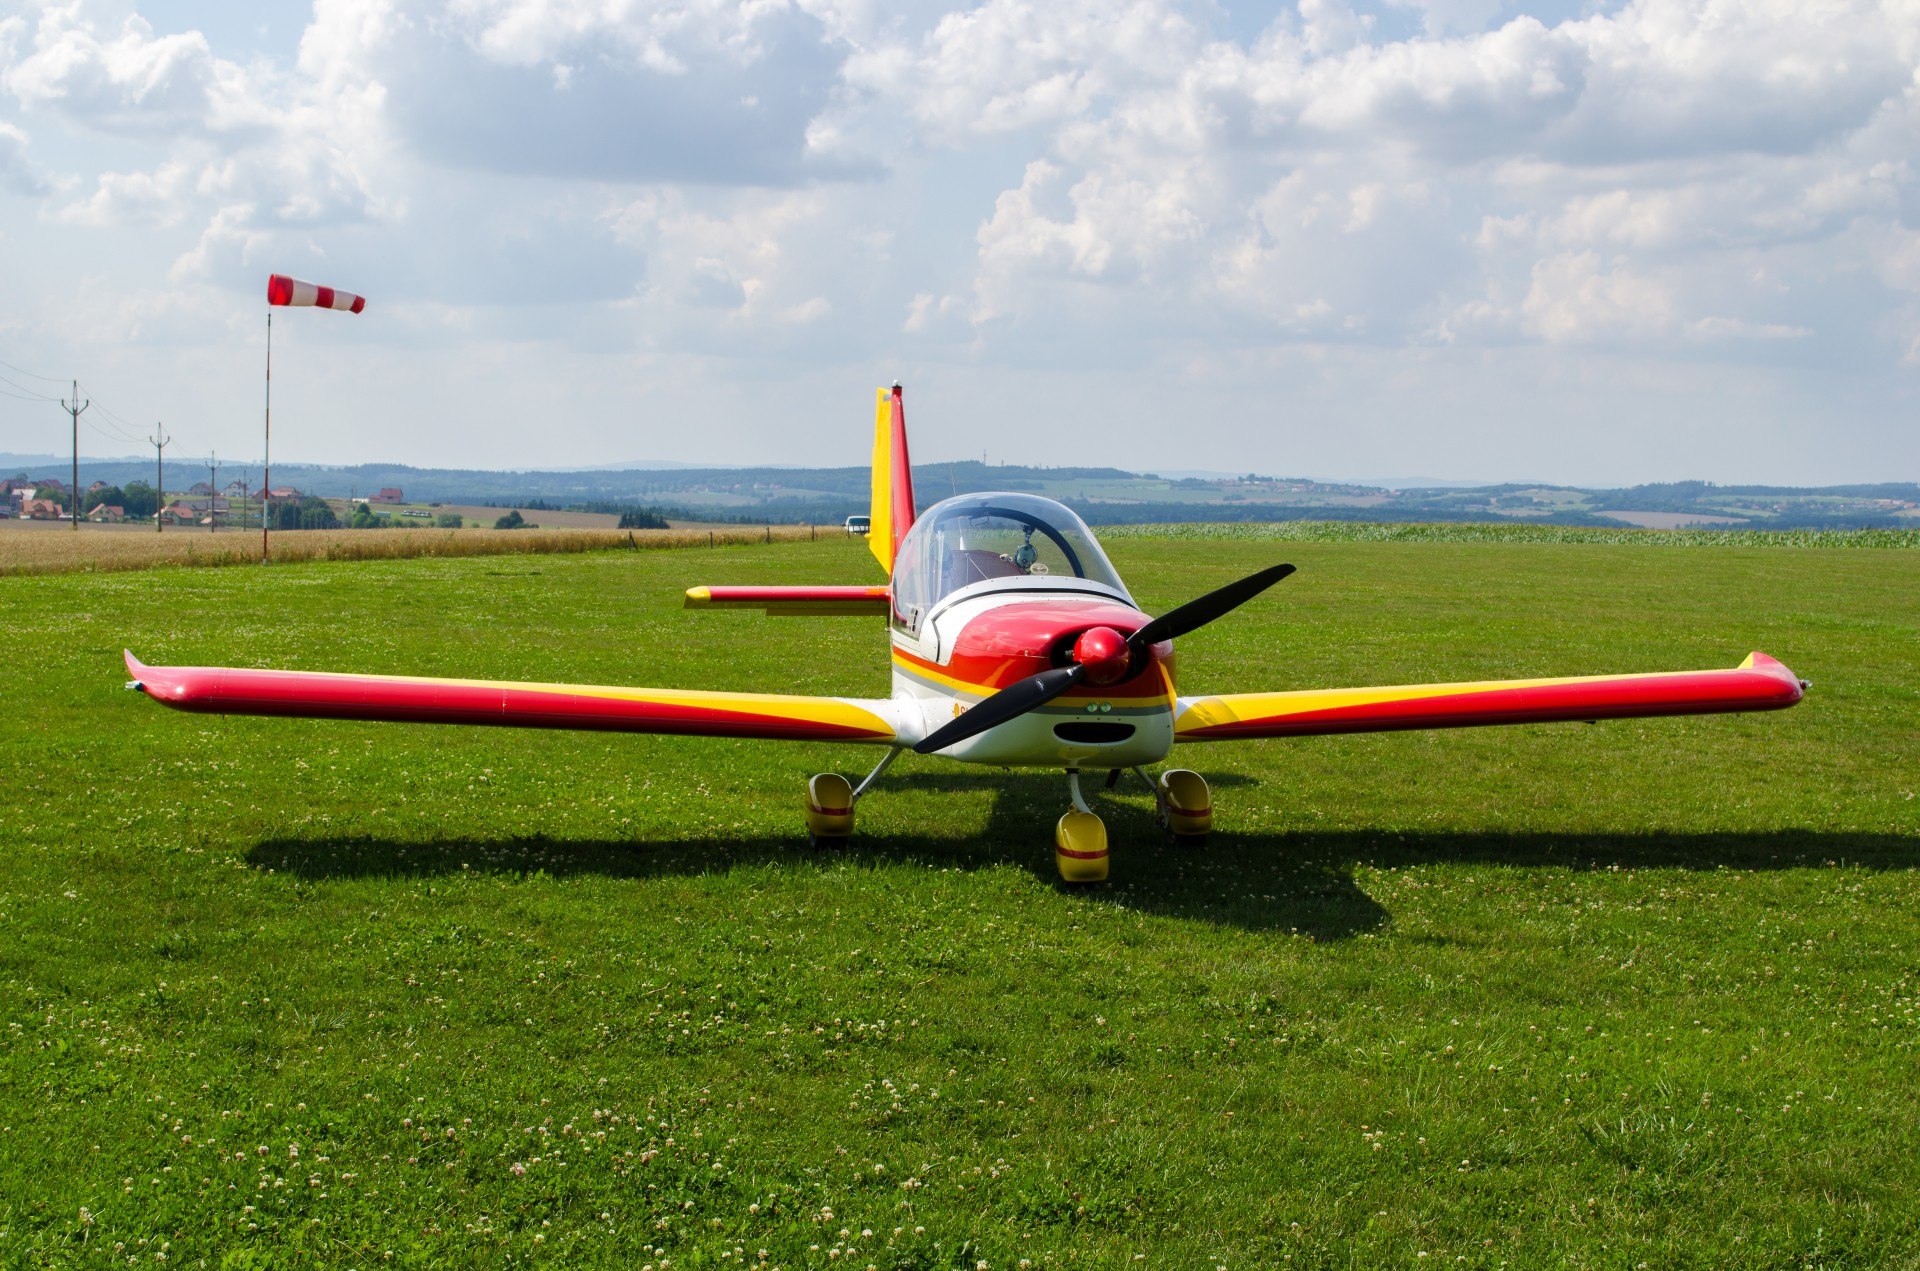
(136, 669)
(1758, 661)
(698, 597)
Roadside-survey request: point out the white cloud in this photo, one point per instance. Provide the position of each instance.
(1105, 190)
(127, 80)
(1578, 297)
(18, 174)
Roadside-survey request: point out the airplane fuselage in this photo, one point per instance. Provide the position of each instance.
(984, 638)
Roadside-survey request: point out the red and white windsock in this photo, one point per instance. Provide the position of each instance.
(282, 290)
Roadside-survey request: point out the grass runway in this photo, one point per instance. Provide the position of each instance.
(305, 993)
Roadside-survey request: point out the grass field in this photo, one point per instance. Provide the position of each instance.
(303, 993)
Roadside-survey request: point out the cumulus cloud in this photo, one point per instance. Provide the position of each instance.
(602, 91)
(996, 182)
(127, 79)
(18, 175)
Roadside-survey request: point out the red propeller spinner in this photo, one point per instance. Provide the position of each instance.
(1104, 652)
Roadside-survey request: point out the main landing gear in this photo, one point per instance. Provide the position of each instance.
(830, 800)
(1182, 805)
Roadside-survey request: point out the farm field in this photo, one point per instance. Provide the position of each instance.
(546, 518)
(304, 993)
(38, 548)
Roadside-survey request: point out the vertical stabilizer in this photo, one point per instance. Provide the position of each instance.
(893, 511)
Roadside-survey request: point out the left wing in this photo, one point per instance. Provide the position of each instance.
(1758, 684)
(420, 700)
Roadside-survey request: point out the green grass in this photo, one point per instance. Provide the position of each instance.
(1479, 532)
(305, 993)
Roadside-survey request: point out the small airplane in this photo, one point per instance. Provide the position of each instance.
(1015, 644)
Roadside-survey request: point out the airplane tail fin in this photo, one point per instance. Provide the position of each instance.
(893, 512)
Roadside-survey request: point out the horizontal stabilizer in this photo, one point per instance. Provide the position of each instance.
(791, 601)
(1758, 684)
(421, 700)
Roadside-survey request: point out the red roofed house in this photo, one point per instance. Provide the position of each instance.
(390, 494)
(107, 512)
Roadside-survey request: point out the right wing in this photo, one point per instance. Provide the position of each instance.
(421, 700)
(1758, 684)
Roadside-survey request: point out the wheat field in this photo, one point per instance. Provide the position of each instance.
(96, 549)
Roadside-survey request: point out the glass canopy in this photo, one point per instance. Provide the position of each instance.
(1018, 541)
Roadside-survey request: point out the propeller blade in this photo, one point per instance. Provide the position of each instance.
(1012, 701)
(1037, 690)
(1215, 604)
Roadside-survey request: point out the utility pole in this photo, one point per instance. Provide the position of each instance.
(159, 476)
(74, 410)
(213, 485)
(246, 478)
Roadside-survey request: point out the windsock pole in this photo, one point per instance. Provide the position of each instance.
(283, 290)
(266, 478)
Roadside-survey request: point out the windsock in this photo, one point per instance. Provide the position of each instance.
(282, 290)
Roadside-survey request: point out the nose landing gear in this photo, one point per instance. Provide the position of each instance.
(1080, 839)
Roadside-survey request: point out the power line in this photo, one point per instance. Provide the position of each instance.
(117, 430)
(34, 393)
(51, 379)
(108, 412)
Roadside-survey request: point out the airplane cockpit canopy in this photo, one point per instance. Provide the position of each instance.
(1017, 541)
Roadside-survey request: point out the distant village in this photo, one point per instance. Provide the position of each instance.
(201, 505)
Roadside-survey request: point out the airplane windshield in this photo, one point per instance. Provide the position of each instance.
(1021, 539)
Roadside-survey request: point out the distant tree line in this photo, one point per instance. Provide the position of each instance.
(309, 513)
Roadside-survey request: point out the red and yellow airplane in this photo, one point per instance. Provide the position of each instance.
(1014, 643)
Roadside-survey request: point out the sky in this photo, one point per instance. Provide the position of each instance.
(1587, 243)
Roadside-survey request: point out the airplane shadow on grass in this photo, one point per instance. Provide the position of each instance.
(1289, 880)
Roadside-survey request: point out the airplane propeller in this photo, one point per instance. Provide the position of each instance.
(1102, 656)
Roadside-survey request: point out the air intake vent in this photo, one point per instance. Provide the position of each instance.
(1086, 732)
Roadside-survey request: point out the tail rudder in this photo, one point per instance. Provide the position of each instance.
(892, 508)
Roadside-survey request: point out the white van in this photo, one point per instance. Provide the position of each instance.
(859, 525)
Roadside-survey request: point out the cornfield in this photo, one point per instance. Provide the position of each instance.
(56, 552)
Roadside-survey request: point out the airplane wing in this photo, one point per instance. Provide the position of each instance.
(414, 699)
(1758, 684)
(792, 601)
